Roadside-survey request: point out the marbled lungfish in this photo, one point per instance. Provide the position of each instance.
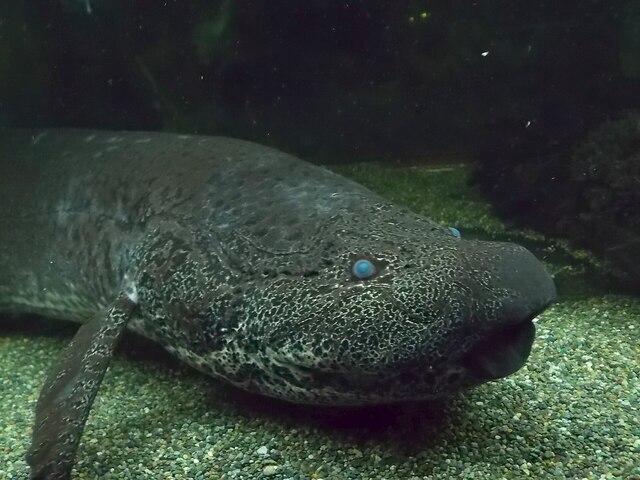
(251, 265)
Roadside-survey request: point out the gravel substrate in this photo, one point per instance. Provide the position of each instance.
(572, 412)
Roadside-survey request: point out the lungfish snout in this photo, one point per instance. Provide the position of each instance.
(531, 288)
(528, 290)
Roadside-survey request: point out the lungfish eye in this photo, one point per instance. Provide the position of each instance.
(363, 269)
(455, 231)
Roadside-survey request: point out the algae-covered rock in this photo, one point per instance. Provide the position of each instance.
(606, 172)
(588, 193)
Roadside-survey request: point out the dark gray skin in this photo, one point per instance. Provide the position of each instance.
(238, 259)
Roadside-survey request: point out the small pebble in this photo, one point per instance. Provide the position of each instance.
(270, 470)
(262, 451)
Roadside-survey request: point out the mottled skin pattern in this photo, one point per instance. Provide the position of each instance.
(238, 259)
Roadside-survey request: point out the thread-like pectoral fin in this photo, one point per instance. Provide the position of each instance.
(69, 391)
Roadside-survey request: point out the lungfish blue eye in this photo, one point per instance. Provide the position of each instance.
(455, 231)
(363, 268)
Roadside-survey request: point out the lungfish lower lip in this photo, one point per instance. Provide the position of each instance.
(503, 352)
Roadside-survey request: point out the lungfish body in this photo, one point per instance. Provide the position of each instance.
(251, 265)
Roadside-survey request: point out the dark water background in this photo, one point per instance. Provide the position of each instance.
(334, 78)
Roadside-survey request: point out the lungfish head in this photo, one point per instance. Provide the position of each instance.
(378, 305)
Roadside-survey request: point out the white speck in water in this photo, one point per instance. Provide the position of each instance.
(484, 54)
(38, 137)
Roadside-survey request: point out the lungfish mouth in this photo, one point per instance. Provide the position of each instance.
(503, 352)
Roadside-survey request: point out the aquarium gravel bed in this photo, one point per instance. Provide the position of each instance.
(571, 412)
